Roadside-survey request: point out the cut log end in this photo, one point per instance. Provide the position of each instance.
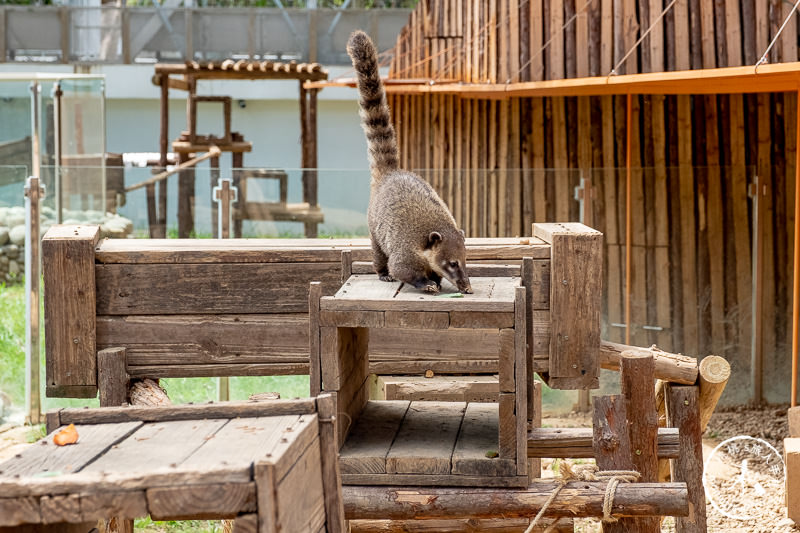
(714, 369)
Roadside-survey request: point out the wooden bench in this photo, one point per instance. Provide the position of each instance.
(195, 308)
(270, 466)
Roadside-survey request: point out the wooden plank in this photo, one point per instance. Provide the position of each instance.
(476, 450)
(425, 441)
(479, 388)
(419, 320)
(371, 437)
(331, 473)
(206, 339)
(57, 509)
(476, 319)
(112, 376)
(201, 501)
(247, 523)
(429, 480)
(352, 319)
(575, 277)
(47, 457)
(218, 370)
(521, 377)
(508, 426)
(663, 315)
(687, 226)
(560, 161)
(164, 444)
(266, 494)
(204, 288)
(300, 500)
(124, 505)
(105, 415)
(69, 291)
(315, 359)
(344, 356)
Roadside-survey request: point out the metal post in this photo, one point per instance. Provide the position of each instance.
(224, 194)
(33, 405)
(796, 284)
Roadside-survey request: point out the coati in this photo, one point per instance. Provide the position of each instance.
(414, 237)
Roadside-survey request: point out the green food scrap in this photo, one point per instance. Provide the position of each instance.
(491, 454)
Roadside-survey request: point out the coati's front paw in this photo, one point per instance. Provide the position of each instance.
(386, 277)
(432, 288)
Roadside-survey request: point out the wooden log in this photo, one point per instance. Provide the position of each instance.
(683, 413)
(490, 525)
(675, 368)
(576, 443)
(112, 377)
(69, 303)
(577, 499)
(714, 372)
(642, 421)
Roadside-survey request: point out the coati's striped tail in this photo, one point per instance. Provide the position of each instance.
(375, 117)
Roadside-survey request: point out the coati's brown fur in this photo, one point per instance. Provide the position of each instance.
(414, 237)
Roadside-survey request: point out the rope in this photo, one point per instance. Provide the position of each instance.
(645, 34)
(780, 30)
(587, 472)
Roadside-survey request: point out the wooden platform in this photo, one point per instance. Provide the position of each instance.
(250, 461)
(426, 443)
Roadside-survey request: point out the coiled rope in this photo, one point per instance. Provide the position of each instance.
(587, 472)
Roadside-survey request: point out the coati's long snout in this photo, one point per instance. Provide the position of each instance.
(446, 256)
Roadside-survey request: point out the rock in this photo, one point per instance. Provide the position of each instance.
(17, 235)
(4, 259)
(13, 268)
(11, 251)
(3, 235)
(15, 220)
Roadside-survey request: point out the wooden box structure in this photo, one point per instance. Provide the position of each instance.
(271, 466)
(423, 443)
(207, 307)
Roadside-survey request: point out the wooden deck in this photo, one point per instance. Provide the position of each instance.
(428, 443)
(173, 463)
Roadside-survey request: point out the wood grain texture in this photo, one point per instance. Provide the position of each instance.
(299, 494)
(476, 448)
(683, 412)
(371, 437)
(112, 376)
(331, 473)
(201, 501)
(480, 388)
(69, 291)
(576, 443)
(424, 444)
(237, 288)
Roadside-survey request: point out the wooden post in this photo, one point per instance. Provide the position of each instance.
(683, 412)
(628, 222)
(185, 198)
(68, 253)
(575, 299)
(125, 34)
(315, 364)
(238, 163)
(224, 195)
(612, 447)
(796, 276)
(214, 164)
(535, 421)
(331, 474)
(642, 421)
(33, 268)
(112, 377)
(347, 264)
(308, 133)
(158, 215)
(3, 35)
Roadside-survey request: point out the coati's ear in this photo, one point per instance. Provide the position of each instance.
(433, 238)
(462, 233)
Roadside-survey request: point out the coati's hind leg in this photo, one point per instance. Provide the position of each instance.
(380, 262)
(414, 271)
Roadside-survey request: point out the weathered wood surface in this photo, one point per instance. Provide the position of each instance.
(427, 443)
(437, 388)
(368, 293)
(69, 300)
(575, 298)
(234, 288)
(683, 412)
(576, 443)
(714, 374)
(126, 251)
(175, 467)
(331, 472)
(496, 525)
(112, 377)
(675, 368)
(576, 499)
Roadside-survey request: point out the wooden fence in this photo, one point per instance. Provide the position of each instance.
(696, 158)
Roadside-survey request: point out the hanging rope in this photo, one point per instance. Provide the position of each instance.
(774, 39)
(645, 34)
(587, 472)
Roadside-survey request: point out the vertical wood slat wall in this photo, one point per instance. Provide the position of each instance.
(693, 216)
